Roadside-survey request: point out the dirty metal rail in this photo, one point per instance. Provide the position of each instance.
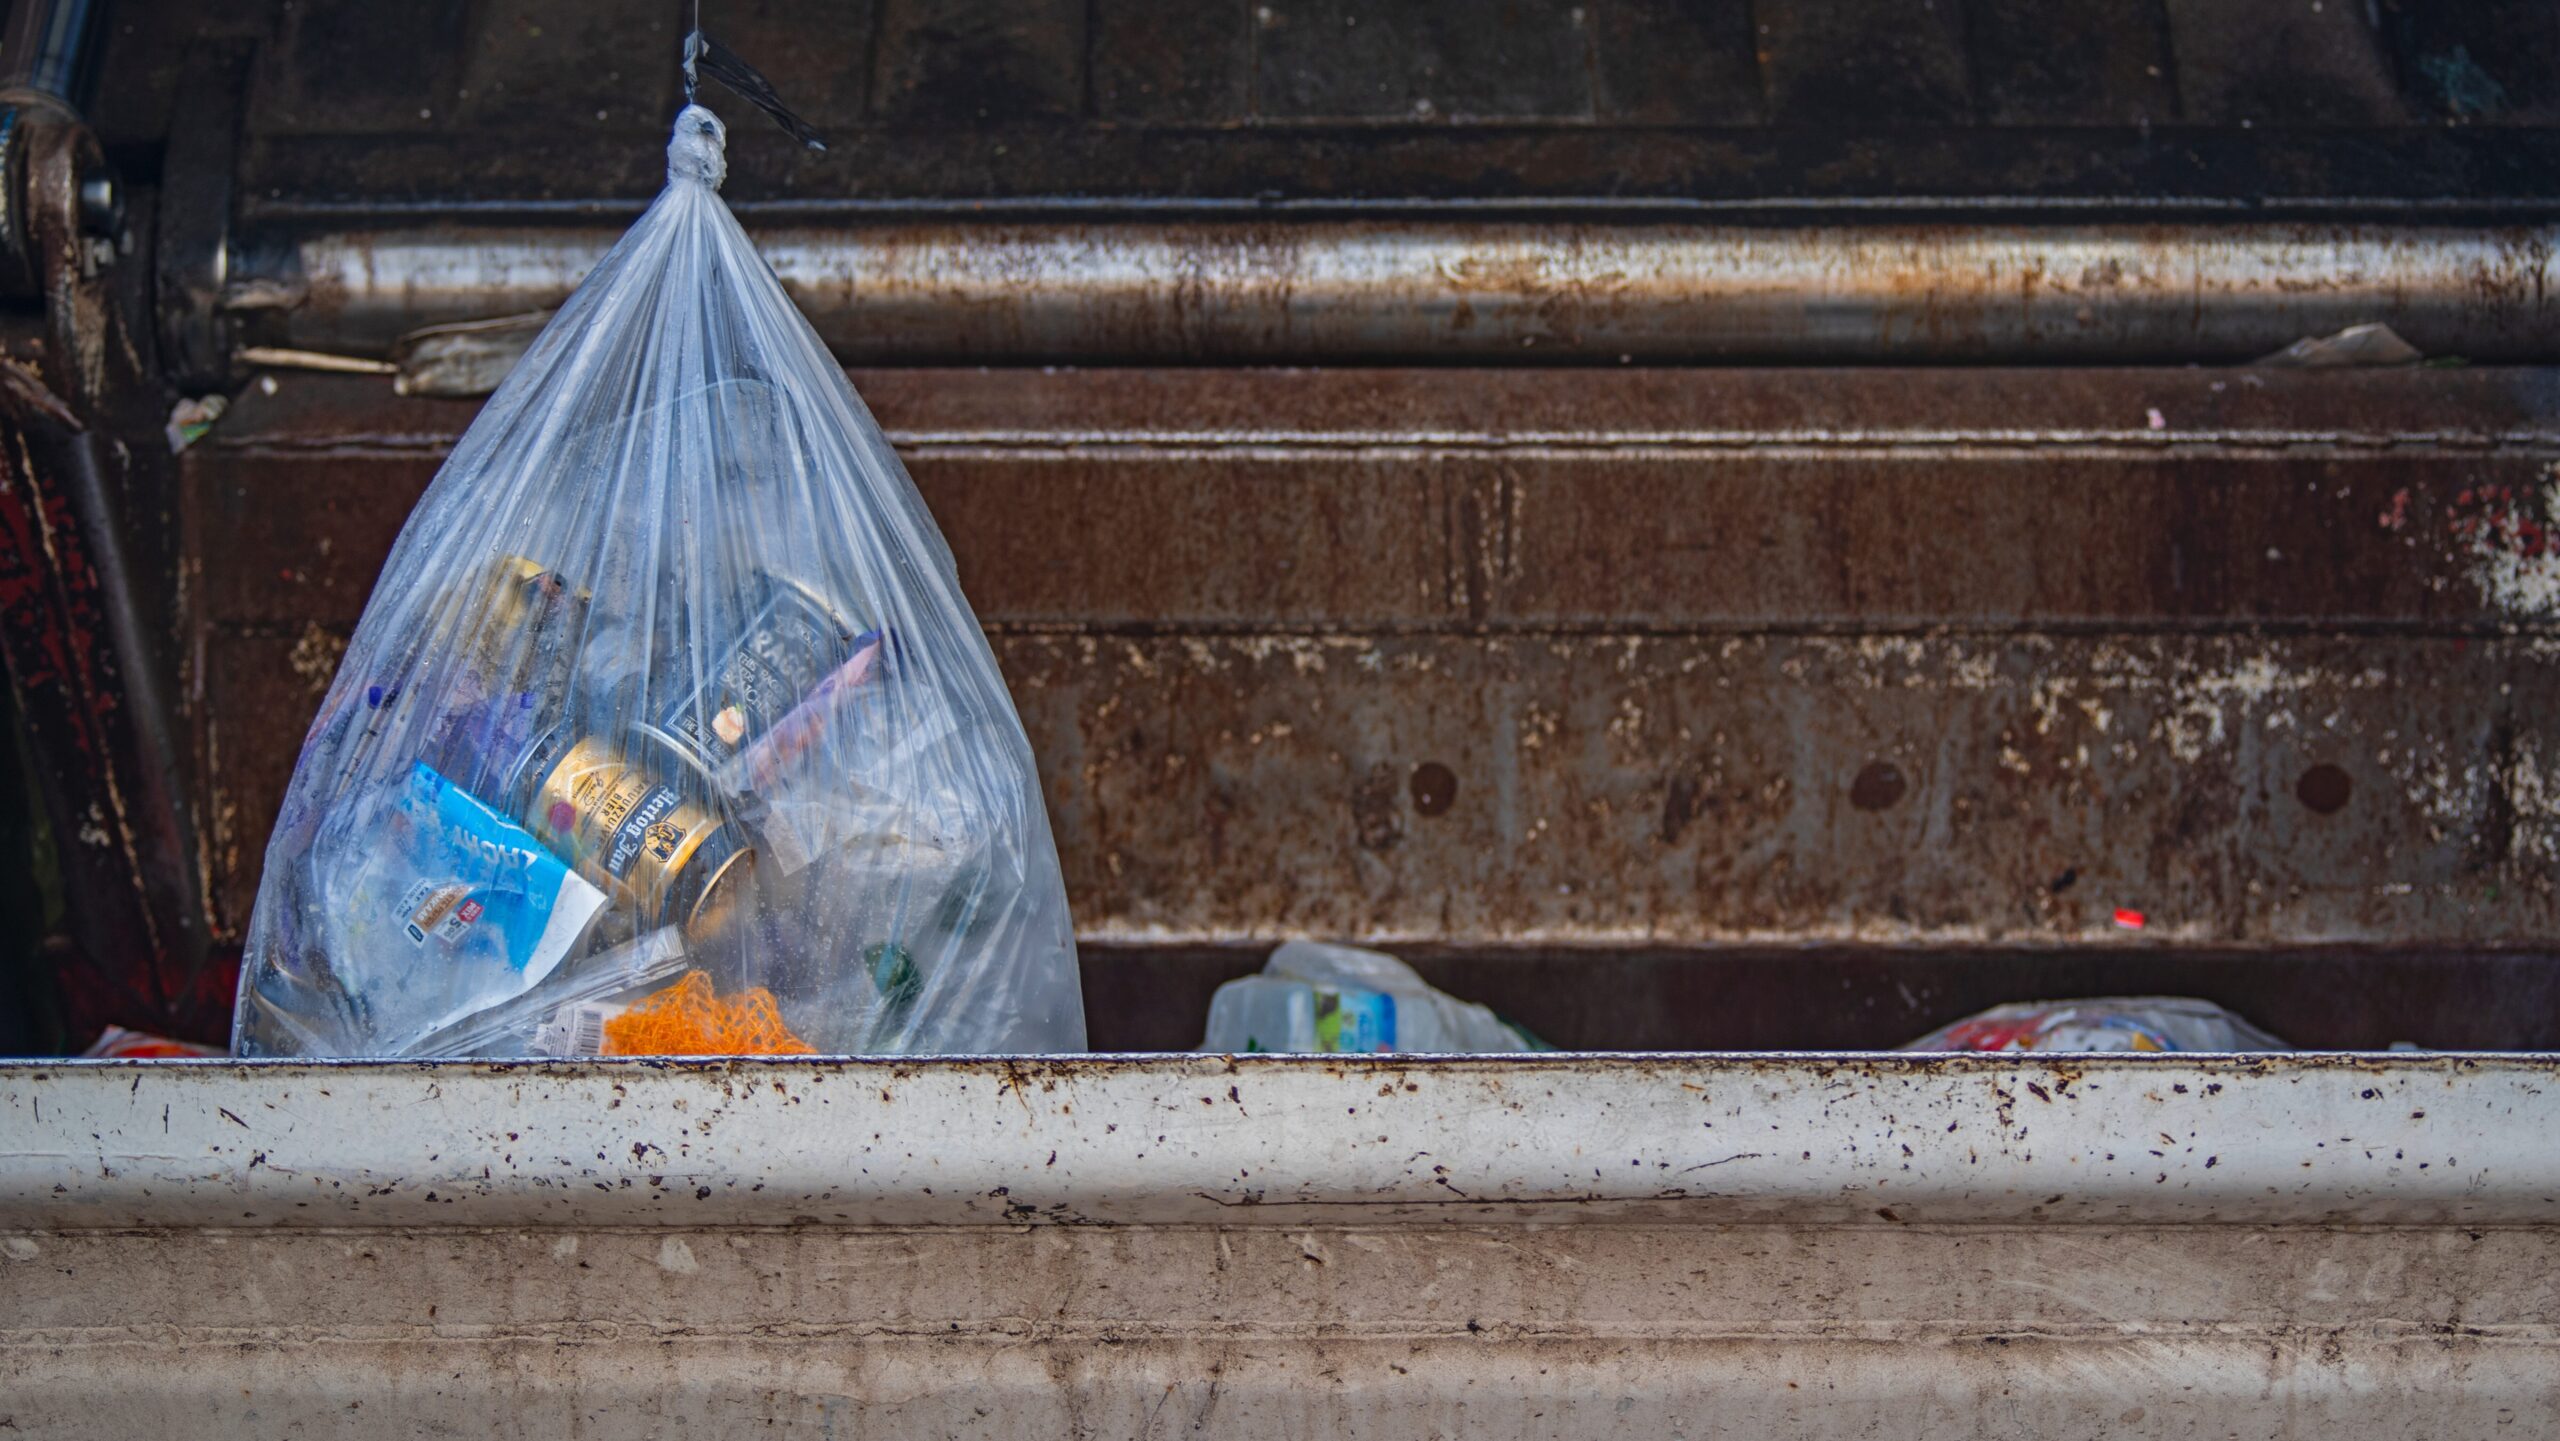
(1968, 1140)
(1340, 291)
(1989, 1246)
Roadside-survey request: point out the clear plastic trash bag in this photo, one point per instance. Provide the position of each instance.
(667, 729)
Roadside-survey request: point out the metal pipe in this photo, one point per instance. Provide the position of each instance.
(49, 52)
(1530, 293)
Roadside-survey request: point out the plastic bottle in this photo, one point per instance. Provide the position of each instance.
(1315, 998)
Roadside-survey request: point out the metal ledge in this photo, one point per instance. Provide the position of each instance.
(1265, 1141)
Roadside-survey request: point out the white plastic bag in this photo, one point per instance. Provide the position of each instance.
(1315, 997)
(667, 728)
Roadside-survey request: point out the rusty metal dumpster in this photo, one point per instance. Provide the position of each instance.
(1711, 529)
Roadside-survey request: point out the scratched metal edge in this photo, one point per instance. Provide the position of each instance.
(1015, 1141)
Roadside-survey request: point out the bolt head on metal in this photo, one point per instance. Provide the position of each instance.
(101, 204)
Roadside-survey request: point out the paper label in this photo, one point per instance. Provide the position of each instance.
(575, 1030)
(487, 870)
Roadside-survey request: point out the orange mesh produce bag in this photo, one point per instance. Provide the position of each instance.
(686, 1019)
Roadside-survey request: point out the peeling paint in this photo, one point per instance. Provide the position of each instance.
(2512, 535)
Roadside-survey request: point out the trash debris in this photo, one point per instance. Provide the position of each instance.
(2372, 344)
(564, 1016)
(191, 420)
(2130, 920)
(1313, 997)
(277, 357)
(435, 906)
(115, 1043)
(686, 1019)
(2108, 1024)
(465, 358)
(667, 729)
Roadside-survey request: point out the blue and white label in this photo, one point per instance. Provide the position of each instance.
(1355, 1021)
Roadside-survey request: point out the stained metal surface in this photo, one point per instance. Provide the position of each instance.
(192, 251)
(1942, 659)
(1878, 1332)
(1560, 1246)
(1277, 1142)
(1627, 789)
(1352, 292)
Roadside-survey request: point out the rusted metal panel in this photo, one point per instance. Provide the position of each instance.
(1843, 62)
(1519, 540)
(1044, 167)
(1502, 501)
(1503, 292)
(1879, 789)
(2323, 1247)
(1622, 612)
(2282, 64)
(287, 542)
(1629, 789)
(2098, 68)
(568, 68)
(1677, 62)
(340, 66)
(1129, 104)
(256, 697)
(2043, 64)
(964, 61)
(1536, 538)
(816, 55)
(1416, 61)
(2255, 408)
(1170, 61)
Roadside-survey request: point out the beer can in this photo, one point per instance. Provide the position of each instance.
(519, 771)
(629, 831)
(793, 640)
(521, 607)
